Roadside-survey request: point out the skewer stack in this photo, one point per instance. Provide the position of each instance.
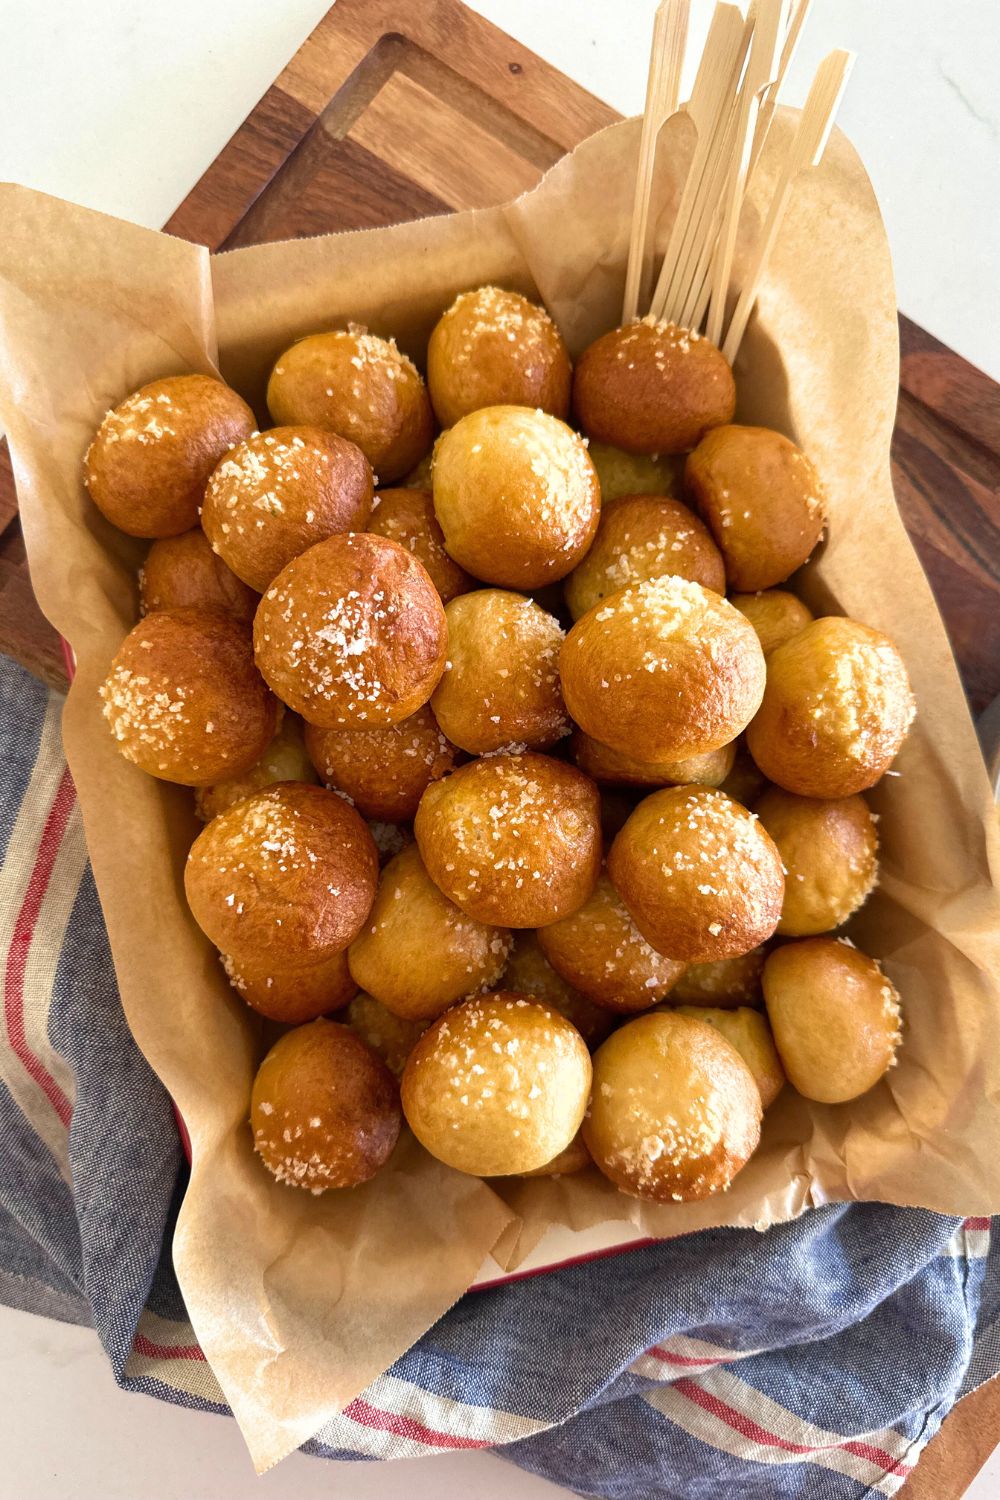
(736, 90)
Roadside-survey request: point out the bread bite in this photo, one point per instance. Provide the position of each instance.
(182, 572)
(501, 684)
(150, 459)
(744, 782)
(600, 951)
(358, 385)
(418, 952)
(292, 993)
(496, 1086)
(383, 771)
(352, 633)
(835, 712)
(761, 499)
(724, 985)
(829, 848)
(675, 1112)
(746, 1030)
(529, 973)
(407, 516)
(615, 768)
(514, 840)
(324, 1109)
(516, 496)
(699, 874)
(662, 671)
(651, 387)
(575, 1158)
(835, 1018)
(285, 759)
(639, 538)
(493, 347)
(279, 492)
(775, 614)
(184, 700)
(285, 878)
(389, 1036)
(622, 473)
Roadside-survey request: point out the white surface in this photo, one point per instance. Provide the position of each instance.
(122, 106)
(70, 1434)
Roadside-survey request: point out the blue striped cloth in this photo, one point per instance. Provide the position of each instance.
(815, 1360)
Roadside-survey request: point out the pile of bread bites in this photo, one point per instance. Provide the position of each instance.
(512, 752)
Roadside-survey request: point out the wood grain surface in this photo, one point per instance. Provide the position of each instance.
(360, 130)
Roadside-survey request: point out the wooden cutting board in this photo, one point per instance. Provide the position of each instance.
(393, 110)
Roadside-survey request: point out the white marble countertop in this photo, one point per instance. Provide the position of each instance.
(123, 107)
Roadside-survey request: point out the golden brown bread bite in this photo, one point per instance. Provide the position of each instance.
(622, 473)
(360, 386)
(829, 848)
(498, 1085)
(662, 671)
(182, 572)
(285, 759)
(675, 1112)
(652, 388)
(516, 496)
(292, 994)
(746, 1030)
(324, 1109)
(384, 771)
(418, 953)
(835, 1018)
(419, 478)
(614, 768)
(573, 1159)
(184, 700)
(390, 1037)
(495, 348)
(835, 712)
(150, 459)
(744, 783)
(762, 501)
(729, 983)
(529, 972)
(642, 537)
(601, 952)
(775, 614)
(514, 840)
(352, 633)
(279, 492)
(407, 516)
(285, 878)
(699, 874)
(501, 684)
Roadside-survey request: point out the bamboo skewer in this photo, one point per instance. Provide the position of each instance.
(708, 98)
(811, 136)
(732, 107)
(704, 215)
(691, 312)
(662, 93)
(769, 29)
(770, 101)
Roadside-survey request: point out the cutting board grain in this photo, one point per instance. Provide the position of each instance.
(393, 110)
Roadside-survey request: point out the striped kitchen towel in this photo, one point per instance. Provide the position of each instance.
(815, 1360)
